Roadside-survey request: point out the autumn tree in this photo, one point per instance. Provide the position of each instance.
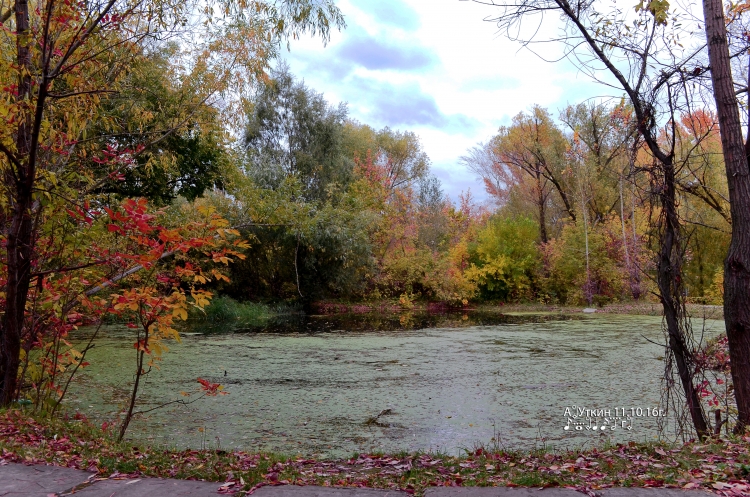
(531, 149)
(60, 60)
(704, 178)
(600, 143)
(431, 204)
(185, 162)
(504, 259)
(415, 225)
(605, 139)
(399, 154)
(498, 178)
(704, 204)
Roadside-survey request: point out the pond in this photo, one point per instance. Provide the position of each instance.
(332, 386)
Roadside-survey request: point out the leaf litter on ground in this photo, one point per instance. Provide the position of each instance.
(721, 466)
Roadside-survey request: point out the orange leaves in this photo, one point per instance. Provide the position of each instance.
(125, 303)
(201, 298)
(158, 300)
(168, 236)
(219, 276)
(739, 8)
(221, 257)
(701, 122)
(142, 345)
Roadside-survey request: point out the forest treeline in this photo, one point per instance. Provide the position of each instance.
(334, 209)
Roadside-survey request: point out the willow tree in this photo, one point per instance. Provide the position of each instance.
(60, 60)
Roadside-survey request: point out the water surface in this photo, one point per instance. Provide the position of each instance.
(314, 385)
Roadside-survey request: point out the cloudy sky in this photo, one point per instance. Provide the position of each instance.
(437, 68)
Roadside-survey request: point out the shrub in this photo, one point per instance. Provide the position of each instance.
(505, 259)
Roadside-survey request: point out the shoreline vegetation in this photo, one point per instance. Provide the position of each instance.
(634, 308)
(226, 310)
(721, 465)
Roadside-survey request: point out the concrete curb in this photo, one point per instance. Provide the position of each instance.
(311, 491)
(18, 480)
(559, 492)
(148, 487)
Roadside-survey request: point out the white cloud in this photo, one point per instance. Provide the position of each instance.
(461, 68)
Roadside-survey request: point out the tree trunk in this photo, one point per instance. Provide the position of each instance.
(701, 267)
(624, 234)
(542, 210)
(19, 179)
(669, 272)
(19, 276)
(133, 395)
(569, 208)
(737, 263)
(589, 292)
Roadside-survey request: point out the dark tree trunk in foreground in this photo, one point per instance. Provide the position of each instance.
(736, 158)
(669, 270)
(19, 179)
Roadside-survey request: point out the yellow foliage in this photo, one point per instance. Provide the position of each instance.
(201, 298)
(715, 292)
(180, 313)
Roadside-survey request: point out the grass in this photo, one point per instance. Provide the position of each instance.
(225, 309)
(716, 464)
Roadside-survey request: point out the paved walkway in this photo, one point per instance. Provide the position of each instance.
(18, 480)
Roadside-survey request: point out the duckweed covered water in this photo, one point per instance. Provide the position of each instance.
(316, 385)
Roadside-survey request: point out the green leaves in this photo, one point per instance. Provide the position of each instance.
(505, 259)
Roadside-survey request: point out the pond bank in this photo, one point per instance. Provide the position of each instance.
(720, 465)
(631, 308)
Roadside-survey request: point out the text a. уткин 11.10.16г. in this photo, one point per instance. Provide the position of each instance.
(580, 418)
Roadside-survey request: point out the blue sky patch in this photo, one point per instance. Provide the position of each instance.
(391, 12)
